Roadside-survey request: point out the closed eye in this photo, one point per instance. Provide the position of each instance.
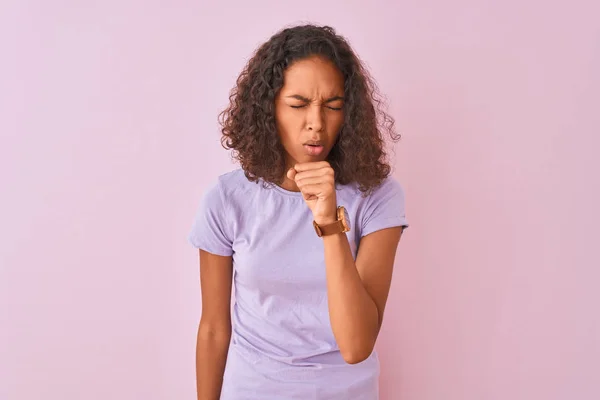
(330, 107)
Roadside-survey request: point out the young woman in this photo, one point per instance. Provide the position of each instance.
(307, 228)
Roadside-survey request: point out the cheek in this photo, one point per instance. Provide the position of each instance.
(289, 123)
(335, 121)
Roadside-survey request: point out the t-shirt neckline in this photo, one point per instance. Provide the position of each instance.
(284, 191)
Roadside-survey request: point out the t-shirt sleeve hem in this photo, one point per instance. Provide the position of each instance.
(219, 251)
(384, 224)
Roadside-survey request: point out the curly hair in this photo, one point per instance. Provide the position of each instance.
(248, 124)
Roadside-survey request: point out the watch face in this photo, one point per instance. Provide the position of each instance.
(346, 219)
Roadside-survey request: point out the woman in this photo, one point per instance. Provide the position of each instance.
(307, 229)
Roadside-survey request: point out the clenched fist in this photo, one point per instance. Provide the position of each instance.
(316, 181)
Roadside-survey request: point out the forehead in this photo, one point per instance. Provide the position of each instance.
(314, 74)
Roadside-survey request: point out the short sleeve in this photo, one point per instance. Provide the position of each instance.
(210, 228)
(385, 208)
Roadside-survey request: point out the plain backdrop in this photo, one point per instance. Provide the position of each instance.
(109, 136)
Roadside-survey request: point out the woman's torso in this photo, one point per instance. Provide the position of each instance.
(282, 341)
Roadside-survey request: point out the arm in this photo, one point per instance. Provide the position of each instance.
(214, 331)
(357, 292)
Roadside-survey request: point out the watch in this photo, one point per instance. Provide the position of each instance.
(342, 224)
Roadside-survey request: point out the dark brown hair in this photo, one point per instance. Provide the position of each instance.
(248, 124)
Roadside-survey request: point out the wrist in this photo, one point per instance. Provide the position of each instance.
(322, 221)
(328, 225)
(327, 218)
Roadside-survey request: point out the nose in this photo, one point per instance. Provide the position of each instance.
(315, 118)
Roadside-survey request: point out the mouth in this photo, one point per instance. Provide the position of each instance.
(313, 149)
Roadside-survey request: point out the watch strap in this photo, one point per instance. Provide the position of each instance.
(330, 229)
(333, 228)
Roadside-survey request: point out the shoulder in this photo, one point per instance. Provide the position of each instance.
(231, 189)
(389, 186)
(235, 185)
(228, 183)
(216, 189)
(389, 194)
(384, 207)
(221, 196)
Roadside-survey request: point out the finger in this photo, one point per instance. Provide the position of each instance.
(311, 192)
(291, 173)
(309, 197)
(312, 180)
(311, 165)
(323, 172)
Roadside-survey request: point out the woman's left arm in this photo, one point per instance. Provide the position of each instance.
(357, 291)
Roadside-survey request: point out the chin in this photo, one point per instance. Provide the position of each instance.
(308, 159)
(304, 158)
(301, 157)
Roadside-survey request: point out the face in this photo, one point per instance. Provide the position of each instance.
(309, 109)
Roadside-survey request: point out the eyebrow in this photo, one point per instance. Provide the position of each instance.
(304, 99)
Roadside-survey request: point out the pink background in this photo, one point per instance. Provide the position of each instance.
(109, 137)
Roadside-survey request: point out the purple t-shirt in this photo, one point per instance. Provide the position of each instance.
(282, 343)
